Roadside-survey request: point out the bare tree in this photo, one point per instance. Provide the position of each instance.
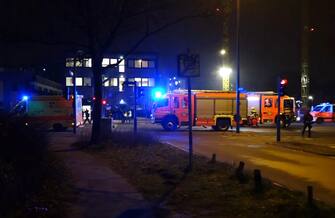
(96, 27)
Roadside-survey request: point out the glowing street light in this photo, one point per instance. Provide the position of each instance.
(223, 52)
(225, 72)
(310, 97)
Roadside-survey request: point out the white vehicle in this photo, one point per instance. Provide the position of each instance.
(49, 111)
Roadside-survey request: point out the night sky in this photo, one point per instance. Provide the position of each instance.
(270, 45)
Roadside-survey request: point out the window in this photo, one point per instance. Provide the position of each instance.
(184, 102)
(131, 63)
(121, 81)
(68, 81)
(163, 103)
(122, 66)
(145, 82)
(318, 108)
(144, 64)
(79, 81)
(151, 64)
(138, 63)
(113, 61)
(327, 109)
(87, 81)
(105, 62)
(106, 83)
(131, 80)
(288, 103)
(87, 62)
(151, 82)
(176, 102)
(69, 62)
(138, 80)
(113, 82)
(267, 102)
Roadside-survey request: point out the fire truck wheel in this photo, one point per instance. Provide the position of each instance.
(222, 124)
(58, 127)
(169, 124)
(319, 120)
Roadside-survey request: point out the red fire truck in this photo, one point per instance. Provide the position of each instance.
(265, 104)
(209, 108)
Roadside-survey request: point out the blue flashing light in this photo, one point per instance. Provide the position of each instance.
(25, 98)
(158, 93)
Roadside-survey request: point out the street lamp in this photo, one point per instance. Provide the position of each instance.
(225, 72)
(223, 52)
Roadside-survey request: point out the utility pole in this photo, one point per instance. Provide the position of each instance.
(135, 109)
(74, 96)
(305, 35)
(237, 66)
(190, 123)
(278, 111)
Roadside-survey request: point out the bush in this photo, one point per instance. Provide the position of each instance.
(24, 166)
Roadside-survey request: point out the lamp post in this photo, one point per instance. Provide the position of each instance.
(237, 66)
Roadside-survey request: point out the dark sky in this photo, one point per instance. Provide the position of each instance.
(270, 43)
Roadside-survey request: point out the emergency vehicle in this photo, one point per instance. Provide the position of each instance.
(209, 108)
(49, 112)
(323, 113)
(265, 104)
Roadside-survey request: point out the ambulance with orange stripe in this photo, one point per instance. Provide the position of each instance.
(49, 112)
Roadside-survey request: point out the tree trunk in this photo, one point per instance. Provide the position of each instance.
(97, 103)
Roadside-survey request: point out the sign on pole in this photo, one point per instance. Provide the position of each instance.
(189, 66)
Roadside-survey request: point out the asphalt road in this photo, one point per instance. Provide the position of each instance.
(258, 149)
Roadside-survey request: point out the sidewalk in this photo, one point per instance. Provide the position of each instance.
(100, 192)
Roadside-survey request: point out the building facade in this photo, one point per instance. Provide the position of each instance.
(139, 68)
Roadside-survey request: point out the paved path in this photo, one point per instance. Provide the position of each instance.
(100, 191)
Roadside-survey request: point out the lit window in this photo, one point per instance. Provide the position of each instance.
(121, 81)
(87, 62)
(138, 80)
(106, 83)
(122, 67)
(145, 82)
(113, 82)
(105, 62)
(151, 82)
(87, 81)
(78, 63)
(113, 61)
(144, 64)
(69, 62)
(79, 81)
(68, 81)
(138, 63)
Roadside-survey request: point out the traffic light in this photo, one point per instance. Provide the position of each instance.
(282, 87)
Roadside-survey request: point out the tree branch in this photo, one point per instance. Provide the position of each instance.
(150, 33)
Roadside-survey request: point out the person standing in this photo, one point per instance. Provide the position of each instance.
(307, 119)
(87, 117)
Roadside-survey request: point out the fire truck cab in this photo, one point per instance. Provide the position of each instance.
(209, 108)
(266, 105)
